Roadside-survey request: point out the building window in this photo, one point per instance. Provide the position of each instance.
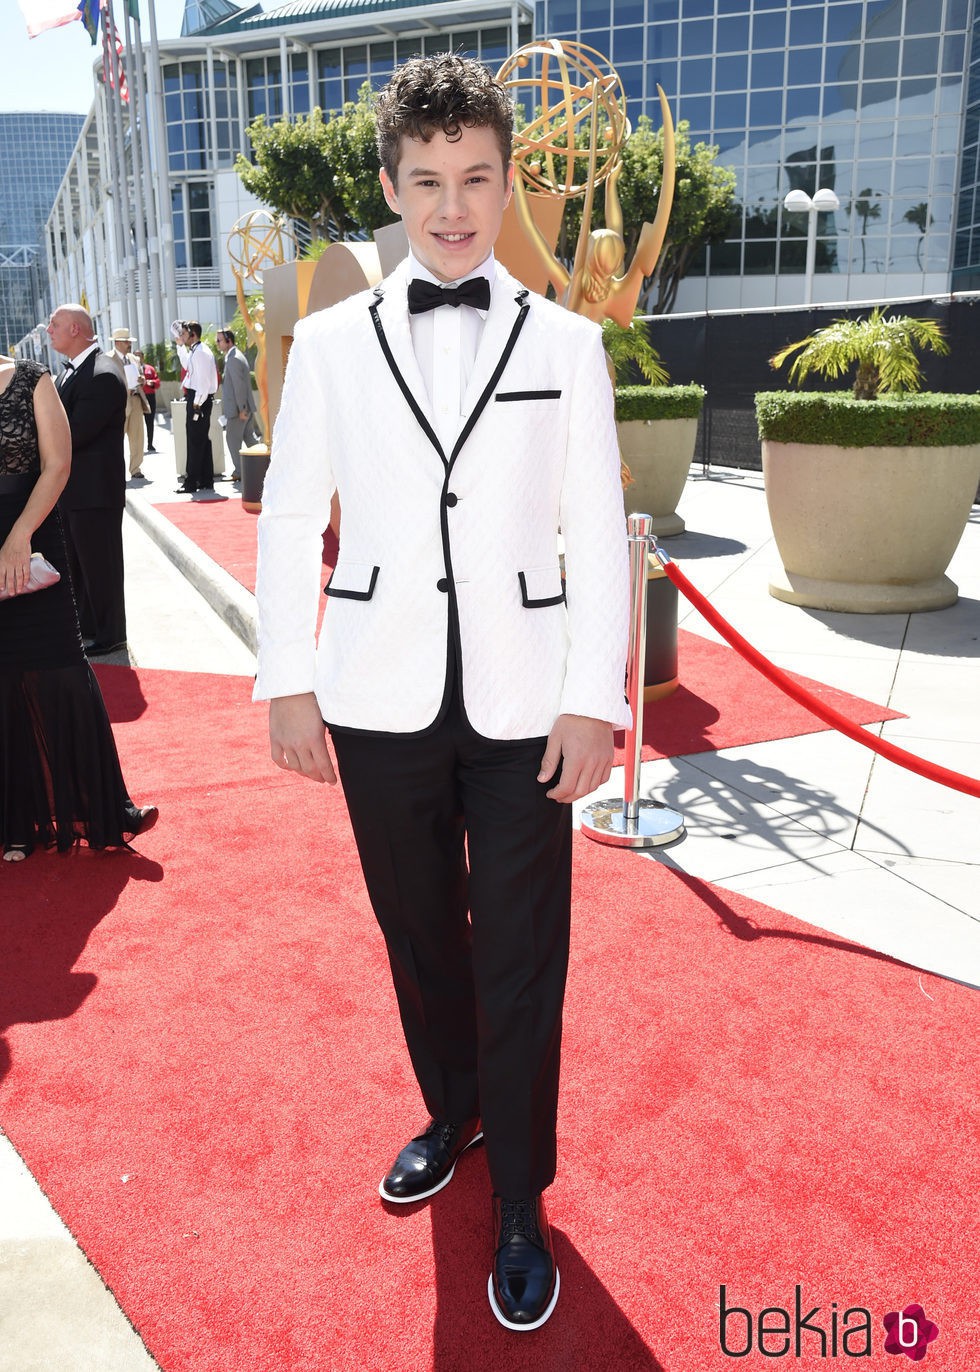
(299, 83)
(193, 231)
(225, 96)
(330, 88)
(263, 81)
(186, 115)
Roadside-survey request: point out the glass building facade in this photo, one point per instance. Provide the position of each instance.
(868, 98)
(40, 147)
(210, 98)
(876, 100)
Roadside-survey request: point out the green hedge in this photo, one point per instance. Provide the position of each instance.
(924, 420)
(659, 402)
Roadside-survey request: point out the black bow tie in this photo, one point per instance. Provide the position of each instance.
(423, 295)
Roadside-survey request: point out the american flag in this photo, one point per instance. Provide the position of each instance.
(108, 65)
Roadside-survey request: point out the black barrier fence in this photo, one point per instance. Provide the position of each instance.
(729, 355)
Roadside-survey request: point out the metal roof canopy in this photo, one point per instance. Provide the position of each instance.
(353, 19)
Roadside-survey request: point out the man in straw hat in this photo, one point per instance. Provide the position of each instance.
(122, 355)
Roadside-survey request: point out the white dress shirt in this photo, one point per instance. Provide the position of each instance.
(446, 342)
(76, 362)
(202, 373)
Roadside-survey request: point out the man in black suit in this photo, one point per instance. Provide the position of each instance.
(93, 393)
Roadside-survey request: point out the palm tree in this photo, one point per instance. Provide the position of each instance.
(884, 350)
(632, 346)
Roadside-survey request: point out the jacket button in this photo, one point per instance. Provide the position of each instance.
(442, 584)
(451, 499)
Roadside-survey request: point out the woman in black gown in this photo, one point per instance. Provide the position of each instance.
(60, 779)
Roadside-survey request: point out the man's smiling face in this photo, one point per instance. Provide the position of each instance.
(451, 197)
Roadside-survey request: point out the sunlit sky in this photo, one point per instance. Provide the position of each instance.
(55, 70)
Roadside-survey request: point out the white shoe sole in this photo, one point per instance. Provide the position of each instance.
(523, 1328)
(424, 1195)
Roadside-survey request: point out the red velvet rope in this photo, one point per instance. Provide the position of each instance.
(827, 713)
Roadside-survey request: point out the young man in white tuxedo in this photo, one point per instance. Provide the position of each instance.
(470, 692)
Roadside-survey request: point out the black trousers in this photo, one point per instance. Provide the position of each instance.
(151, 397)
(200, 464)
(479, 948)
(93, 539)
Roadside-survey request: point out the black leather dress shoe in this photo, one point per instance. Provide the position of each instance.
(103, 649)
(427, 1163)
(524, 1282)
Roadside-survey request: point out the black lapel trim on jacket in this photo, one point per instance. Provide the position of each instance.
(520, 299)
(424, 424)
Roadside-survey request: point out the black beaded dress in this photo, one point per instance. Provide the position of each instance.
(60, 778)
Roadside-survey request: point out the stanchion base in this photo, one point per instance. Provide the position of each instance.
(654, 825)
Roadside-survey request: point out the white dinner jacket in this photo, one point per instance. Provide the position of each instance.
(439, 547)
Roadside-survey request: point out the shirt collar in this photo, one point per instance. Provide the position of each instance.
(79, 358)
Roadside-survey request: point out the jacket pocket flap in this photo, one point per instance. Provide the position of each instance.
(352, 581)
(553, 396)
(541, 586)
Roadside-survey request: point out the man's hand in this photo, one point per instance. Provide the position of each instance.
(298, 737)
(585, 748)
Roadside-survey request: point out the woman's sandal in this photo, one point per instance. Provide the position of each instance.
(14, 852)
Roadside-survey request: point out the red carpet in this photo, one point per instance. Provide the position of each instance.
(226, 532)
(722, 702)
(206, 1076)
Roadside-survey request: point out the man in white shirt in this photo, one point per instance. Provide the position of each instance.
(460, 420)
(200, 385)
(122, 355)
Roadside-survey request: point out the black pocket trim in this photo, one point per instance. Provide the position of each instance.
(528, 395)
(351, 595)
(539, 604)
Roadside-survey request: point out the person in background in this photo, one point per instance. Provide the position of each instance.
(60, 779)
(93, 392)
(237, 400)
(151, 384)
(200, 386)
(124, 357)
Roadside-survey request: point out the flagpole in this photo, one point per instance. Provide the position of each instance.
(150, 198)
(143, 305)
(107, 125)
(162, 179)
(125, 206)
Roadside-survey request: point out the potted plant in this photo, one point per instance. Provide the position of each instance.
(869, 490)
(657, 425)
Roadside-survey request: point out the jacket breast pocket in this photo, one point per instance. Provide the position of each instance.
(352, 581)
(541, 587)
(536, 399)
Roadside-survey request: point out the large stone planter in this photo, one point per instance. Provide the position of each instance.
(658, 453)
(870, 530)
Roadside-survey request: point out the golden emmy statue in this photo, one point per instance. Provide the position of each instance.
(256, 241)
(564, 88)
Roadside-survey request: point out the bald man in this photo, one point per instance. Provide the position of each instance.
(94, 395)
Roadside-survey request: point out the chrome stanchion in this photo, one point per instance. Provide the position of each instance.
(632, 822)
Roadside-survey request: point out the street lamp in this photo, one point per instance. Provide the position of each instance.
(823, 202)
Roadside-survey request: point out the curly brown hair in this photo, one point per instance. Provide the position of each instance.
(446, 93)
